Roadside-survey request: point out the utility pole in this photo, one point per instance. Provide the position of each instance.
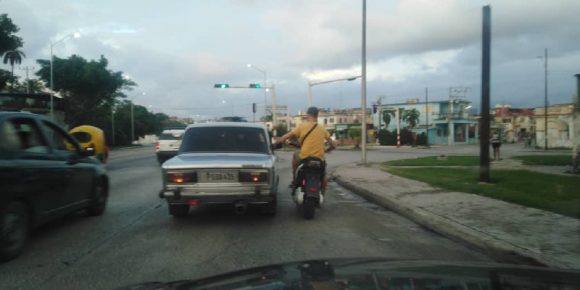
(398, 117)
(364, 85)
(27, 68)
(113, 125)
(274, 118)
(427, 116)
(449, 126)
(484, 172)
(546, 99)
(132, 124)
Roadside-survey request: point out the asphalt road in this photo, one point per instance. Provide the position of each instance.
(136, 240)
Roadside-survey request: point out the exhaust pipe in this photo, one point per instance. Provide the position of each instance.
(240, 208)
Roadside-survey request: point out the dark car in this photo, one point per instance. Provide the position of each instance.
(44, 175)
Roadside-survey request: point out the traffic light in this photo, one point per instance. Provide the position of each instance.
(221, 86)
(255, 86)
(254, 108)
(374, 109)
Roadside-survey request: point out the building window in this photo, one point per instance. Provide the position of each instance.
(331, 120)
(325, 121)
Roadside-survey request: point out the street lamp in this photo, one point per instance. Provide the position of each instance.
(545, 57)
(52, 44)
(265, 85)
(311, 84)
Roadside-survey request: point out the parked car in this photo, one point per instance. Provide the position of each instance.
(222, 163)
(168, 144)
(92, 139)
(44, 175)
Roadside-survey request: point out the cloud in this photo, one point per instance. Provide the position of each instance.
(176, 51)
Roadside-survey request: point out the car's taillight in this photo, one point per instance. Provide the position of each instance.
(249, 176)
(181, 177)
(157, 146)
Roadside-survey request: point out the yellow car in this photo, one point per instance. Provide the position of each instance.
(90, 137)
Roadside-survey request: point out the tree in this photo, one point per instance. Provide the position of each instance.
(8, 39)
(32, 86)
(281, 129)
(5, 77)
(412, 118)
(85, 86)
(233, 119)
(355, 134)
(13, 57)
(267, 118)
(387, 115)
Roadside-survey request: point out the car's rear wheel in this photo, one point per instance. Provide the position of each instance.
(14, 229)
(98, 199)
(178, 210)
(271, 208)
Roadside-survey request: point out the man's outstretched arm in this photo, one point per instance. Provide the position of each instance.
(284, 138)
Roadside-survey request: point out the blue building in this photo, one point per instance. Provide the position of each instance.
(449, 122)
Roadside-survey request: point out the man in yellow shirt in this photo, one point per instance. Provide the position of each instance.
(312, 139)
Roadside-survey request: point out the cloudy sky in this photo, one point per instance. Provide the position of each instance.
(176, 50)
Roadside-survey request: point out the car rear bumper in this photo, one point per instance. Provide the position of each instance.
(221, 195)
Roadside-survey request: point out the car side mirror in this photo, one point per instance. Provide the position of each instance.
(276, 146)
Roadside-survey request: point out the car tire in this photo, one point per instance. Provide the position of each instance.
(98, 199)
(271, 208)
(14, 229)
(178, 210)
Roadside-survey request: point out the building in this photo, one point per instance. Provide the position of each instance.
(330, 118)
(515, 123)
(33, 103)
(560, 133)
(449, 121)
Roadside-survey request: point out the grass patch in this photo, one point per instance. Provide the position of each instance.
(434, 161)
(551, 160)
(549, 192)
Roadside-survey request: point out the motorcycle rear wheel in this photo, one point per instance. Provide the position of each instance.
(308, 208)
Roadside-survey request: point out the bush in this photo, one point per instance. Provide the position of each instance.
(422, 139)
(387, 138)
(390, 137)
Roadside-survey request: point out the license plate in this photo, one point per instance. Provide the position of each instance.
(211, 176)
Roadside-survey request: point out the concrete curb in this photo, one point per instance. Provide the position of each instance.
(498, 249)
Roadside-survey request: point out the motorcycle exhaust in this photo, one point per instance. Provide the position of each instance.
(299, 198)
(240, 208)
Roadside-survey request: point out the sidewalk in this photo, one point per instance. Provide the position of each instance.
(503, 230)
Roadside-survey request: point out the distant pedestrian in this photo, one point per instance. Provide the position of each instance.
(495, 143)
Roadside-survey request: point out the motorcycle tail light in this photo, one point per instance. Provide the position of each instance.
(253, 176)
(181, 177)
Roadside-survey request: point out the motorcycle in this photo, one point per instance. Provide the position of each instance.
(308, 187)
(308, 193)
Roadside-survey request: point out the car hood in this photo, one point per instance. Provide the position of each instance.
(220, 160)
(364, 273)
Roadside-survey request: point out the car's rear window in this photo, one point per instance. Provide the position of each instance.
(82, 137)
(224, 139)
(170, 136)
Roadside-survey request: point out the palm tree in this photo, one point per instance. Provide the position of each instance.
(13, 57)
(387, 115)
(412, 118)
